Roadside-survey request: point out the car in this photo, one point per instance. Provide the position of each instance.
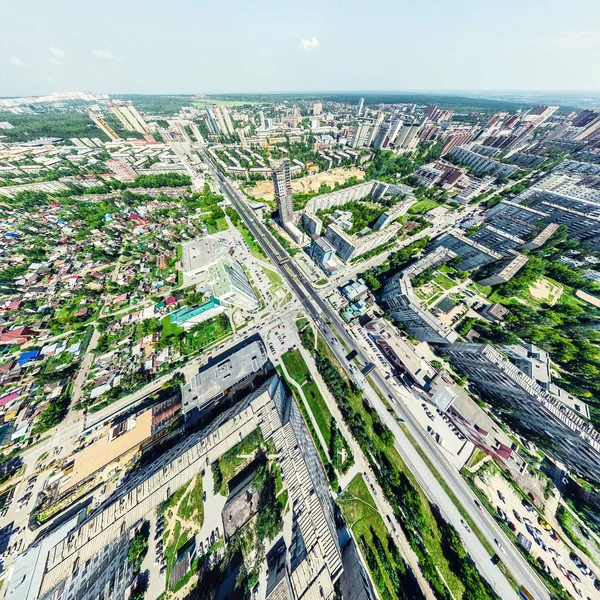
(465, 525)
(544, 524)
(478, 505)
(500, 546)
(162, 569)
(501, 496)
(512, 526)
(574, 558)
(554, 536)
(203, 496)
(517, 516)
(217, 533)
(573, 576)
(502, 514)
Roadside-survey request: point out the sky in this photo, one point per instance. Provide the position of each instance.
(202, 46)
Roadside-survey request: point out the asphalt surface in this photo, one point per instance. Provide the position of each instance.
(319, 310)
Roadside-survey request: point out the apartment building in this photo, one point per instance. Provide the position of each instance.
(482, 165)
(563, 433)
(405, 308)
(473, 255)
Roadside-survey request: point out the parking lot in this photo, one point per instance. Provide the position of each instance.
(557, 558)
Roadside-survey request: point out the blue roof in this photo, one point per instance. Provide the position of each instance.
(28, 357)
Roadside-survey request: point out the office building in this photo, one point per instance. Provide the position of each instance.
(282, 181)
(405, 308)
(556, 426)
(321, 251)
(231, 285)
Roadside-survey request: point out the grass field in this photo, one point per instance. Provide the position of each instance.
(422, 207)
(298, 371)
(206, 333)
(168, 328)
(444, 281)
(383, 559)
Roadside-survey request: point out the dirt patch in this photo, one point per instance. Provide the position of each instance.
(312, 183)
(543, 289)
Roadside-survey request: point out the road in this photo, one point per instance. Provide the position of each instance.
(318, 310)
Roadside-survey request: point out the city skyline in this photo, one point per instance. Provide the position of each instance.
(319, 47)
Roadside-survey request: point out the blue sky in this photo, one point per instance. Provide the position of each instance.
(200, 46)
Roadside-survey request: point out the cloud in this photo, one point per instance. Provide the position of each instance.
(55, 61)
(57, 52)
(307, 45)
(16, 62)
(105, 53)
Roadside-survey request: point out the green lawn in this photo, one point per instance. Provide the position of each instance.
(388, 570)
(179, 252)
(167, 328)
(422, 207)
(191, 507)
(206, 334)
(298, 371)
(232, 462)
(274, 279)
(445, 281)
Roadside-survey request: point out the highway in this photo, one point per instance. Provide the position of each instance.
(320, 311)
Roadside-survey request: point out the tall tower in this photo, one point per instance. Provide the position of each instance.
(360, 107)
(282, 180)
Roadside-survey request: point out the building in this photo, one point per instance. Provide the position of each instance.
(482, 165)
(405, 308)
(505, 270)
(473, 255)
(361, 104)
(123, 441)
(282, 181)
(231, 285)
(321, 251)
(312, 563)
(361, 134)
(556, 426)
(216, 379)
(317, 108)
(103, 126)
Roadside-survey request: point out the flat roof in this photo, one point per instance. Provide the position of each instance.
(102, 452)
(214, 379)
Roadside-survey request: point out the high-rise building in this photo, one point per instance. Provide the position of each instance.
(570, 439)
(360, 107)
(103, 125)
(282, 181)
(317, 108)
(227, 119)
(405, 308)
(220, 119)
(361, 134)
